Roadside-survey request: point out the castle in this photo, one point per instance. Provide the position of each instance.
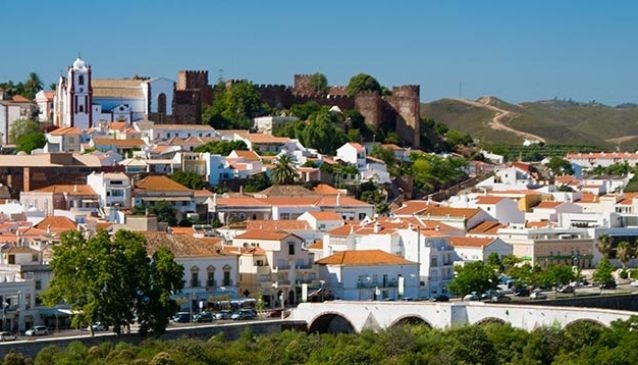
(399, 111)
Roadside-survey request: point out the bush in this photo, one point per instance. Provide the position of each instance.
(624, 274)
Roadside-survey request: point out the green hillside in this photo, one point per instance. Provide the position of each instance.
(558, 122)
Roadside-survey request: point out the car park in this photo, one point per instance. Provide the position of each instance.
(203, 317)
(37, 331)
(100, 326)
(7, 336)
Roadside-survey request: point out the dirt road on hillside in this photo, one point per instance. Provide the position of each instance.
(502, 116)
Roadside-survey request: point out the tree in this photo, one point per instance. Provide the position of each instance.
(494, 261)
(164, 211)
(31, 141)
(604, 244)
(373, 193)
(234, 107)
(362, 82)
(223, 148)
(603, 272)
(557, 275)
(284, 172)
(473, 277)
(305, 110)
(32, 85)
(256, 182)
(560, 166)
(22, 127)
(111, 279)
(623, 253)
(318, 83)
(322, 132)
(188, 178)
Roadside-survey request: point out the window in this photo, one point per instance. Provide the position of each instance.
(362, 216)
(34, 257)
(227, 281)
(117, 182)
(210, 280)
(38, 284)
(81, 108)
(291, 248)
(81, 80)
(434, 262)
(119, 193)
(194, 279)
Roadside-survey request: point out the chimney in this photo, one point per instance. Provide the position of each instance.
(377, 227)
(338, 202)
(437, 228)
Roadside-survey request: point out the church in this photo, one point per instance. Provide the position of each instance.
(83, 102)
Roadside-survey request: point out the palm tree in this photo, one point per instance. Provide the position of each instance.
(623, 253)
(284, 173)
(604, 245)
(32, 85)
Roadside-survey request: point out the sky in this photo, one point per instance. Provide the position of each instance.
(516, 50)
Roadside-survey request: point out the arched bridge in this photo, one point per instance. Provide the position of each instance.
(351, 316)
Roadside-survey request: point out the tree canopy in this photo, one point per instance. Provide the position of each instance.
(28, 88)
(473, 277)
(189, 179)
(284, 172)
(164, 211)
(223, 148)
(362, 82)
(318, 82)
(26, 135)
(234, 106)
(112, 280)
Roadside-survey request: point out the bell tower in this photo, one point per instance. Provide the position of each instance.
(79, 95)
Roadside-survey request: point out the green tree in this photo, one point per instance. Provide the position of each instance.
(31, 141)
(604, 271)
(473, 277)
(318, 83)
(604, 244)
(560, 166)
(557, 275)
(234, 107)
(305, 110)
(457, 138)
(494, 261)
(110, 279)
(164, 211)
(362, 82)
(322, 132)
(284, 172)
(375, 194)
(22, 127)
(189, 179)
(32, 85)
(257, 182)
(223, 148)
(623, 253)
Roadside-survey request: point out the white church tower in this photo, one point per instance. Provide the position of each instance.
(74, 97)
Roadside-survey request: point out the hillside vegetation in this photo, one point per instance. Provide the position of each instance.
(556, 121)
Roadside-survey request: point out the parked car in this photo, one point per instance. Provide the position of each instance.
(537, 294)
(471, 297)
(7, 336)
(440, 298)
(500, 298)
(244, 314)
(224, 314)
(567, 289)
(182, 317)
(521, 292)
(100, 326)
(611, 284)
(37, 331)
(634, 283)
(203, 317)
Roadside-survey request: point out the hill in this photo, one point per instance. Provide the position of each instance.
(553, 121)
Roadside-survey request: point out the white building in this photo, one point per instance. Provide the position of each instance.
(113, 189)
(12, 109)
(479, 249)
(44, 99)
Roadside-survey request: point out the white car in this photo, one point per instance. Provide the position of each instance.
(634, 284)
(7, 336)
(37, 331)
(99, 326)
(537, 295)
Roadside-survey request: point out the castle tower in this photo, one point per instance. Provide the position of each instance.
(75, 97)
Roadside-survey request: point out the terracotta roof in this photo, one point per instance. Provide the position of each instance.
(489, 199)
(317, 245)
(123, 143)
(263, 235)
(57, 224)
(181, 127)
(414, 207)
(548, 204)
(487, 227)
(79, 189)
(539, 224)
(325, 189)
(326, 216)
(203, 193)
(74, 131)
(277, 225)
(285, 191)
(182, 245)
(246, 155)
(521, 166)
(20, 249)
(364, 258)
(21, 99)
(118, 125)
(602, 155)
(435, 211)
(470, 241)
(331, 201)
(356, 146)
(587, 197)
(259, 138)
(160, 183)
(239, 201)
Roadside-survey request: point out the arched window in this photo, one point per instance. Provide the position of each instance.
(210, 279)
(195, 277)
(161, 103)
(227, 281)
(81, 80)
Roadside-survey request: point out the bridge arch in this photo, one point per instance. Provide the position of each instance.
(410, 319)
(331, 322)
(585, 321)
(490, 320)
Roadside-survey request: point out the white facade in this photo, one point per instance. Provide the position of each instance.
(10, 111)
(353, 153)
(44, 99)
(479, 249)
(268, 123)
(74, 97)
(113, 189)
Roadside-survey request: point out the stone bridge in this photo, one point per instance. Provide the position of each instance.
(351, 316)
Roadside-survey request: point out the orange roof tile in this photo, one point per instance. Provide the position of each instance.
(487, 227)
(182, 245)
(160, 183)
(317, 245)
(326, 216)
(78, 189)
(263, 235)
(538, 224)
(277, 225)
(258, 138)
(356, 146)
(470, 241)
(246, 155)
(57, 224)
(74, 131)
(241, 200)
(414, 207)
(489, 199)
(122, 143)
(548, 204)
(325, 189)
(364, 258)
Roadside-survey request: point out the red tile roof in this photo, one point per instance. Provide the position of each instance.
(277, 225)
(548, 204)
(470, 241)
(263, 235)
(489, 199)
(160, 183)
(326, 216)
(81, 189)
(364, 258)
(56, 224)
(487, 227)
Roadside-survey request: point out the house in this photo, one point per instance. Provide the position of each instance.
(268, 123)
(155, 132)
(479, 249)
(285, 264)
(113, 189)
(66, 139)
(353, 153)
(369, 275)
(77, 197)
(265, 143)
(18, 290)
(505, 210)
(603, 159)
(12, 109)
(158, 188)
(209, 272)
(548, 210)
(322, 221)
(44, 99)
(121, 146)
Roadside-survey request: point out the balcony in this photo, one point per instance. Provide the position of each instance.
(211, 283)
(227, 283)
(280, 268)
(195, 283)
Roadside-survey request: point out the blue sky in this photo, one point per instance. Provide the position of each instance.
(516, 50)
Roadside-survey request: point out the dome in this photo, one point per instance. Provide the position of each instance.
(79, 64)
